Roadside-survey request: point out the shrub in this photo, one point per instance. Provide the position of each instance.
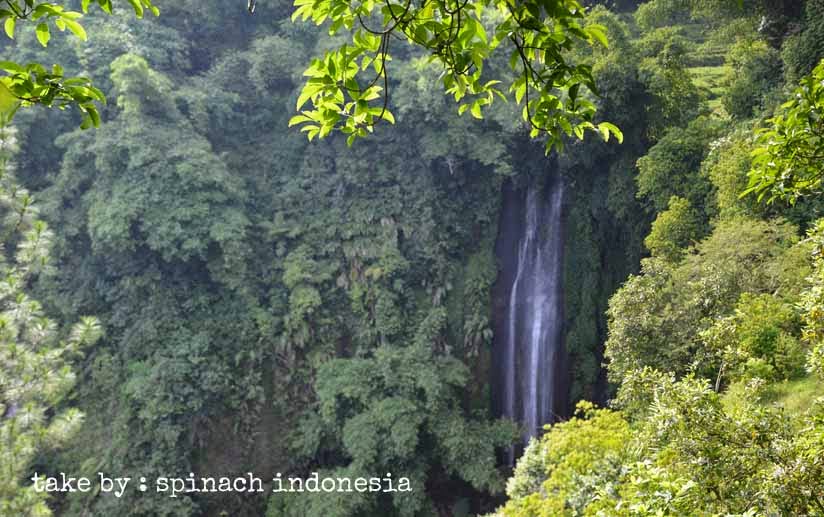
(755, 73)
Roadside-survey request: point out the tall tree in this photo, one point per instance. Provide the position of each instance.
(35, 359)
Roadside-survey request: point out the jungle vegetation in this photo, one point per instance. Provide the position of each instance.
(190, 285)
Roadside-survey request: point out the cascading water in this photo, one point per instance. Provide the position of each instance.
(529, 338)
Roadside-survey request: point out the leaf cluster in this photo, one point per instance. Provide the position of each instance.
(786, 162)
(460, 37)
(32, 84)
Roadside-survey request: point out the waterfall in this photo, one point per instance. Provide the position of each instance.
(529, 338)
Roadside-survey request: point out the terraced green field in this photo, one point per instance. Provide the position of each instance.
(712, 81)
(707, 65)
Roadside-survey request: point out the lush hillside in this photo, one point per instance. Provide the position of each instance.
(273, 304)
(714, 346)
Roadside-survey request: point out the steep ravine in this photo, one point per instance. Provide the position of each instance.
(528, 345)
(569, 234)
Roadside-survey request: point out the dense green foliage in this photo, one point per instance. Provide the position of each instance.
(802, 50)
(706, 344)
(688, 455)
(673, 230)
(811, 304)
(755, 73)
(32, 83)
(279, 305)
(34, 359)
(246, 277)
(787, 159)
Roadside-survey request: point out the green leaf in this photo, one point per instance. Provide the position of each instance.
(94, 115)
(42, 32)
(138, 8)
(565, 125)
(611, 128)
(604, 132)
(76, 28)
(598, 33)
(475, 110)
(71, 15)
(11, 67)
(520, 91)
(9, 27)
(309, 91)
(387, 116)
(8, 104)
(299, 119)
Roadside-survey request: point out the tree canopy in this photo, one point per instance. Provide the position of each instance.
(274, 304)
(787, 160)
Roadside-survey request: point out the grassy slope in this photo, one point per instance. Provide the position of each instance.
(795, 396)
(707, 65)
